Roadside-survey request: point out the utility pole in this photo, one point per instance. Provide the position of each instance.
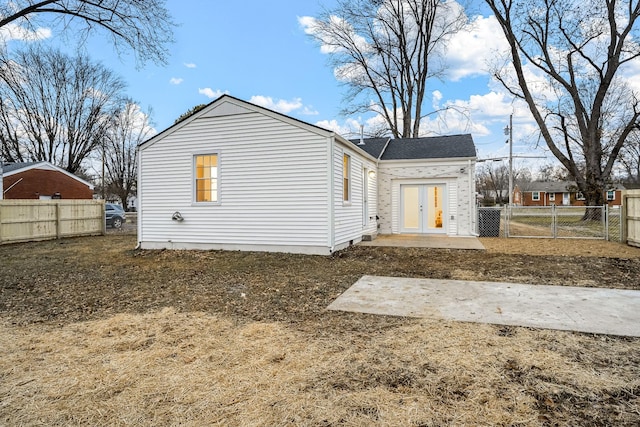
(1, 178)
(509, 131)
(103, 159)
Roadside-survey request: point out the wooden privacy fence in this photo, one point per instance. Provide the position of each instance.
(28, 220)
(631, 217)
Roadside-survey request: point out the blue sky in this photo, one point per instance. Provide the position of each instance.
(258, 51)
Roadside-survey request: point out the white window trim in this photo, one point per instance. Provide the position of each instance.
(580, 196)
(535, 196)
(613, 195)
(552, 197)
(347, 202)
(194, 201)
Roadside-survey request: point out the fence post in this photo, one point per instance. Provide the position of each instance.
(1, 207)
(554, 221)
(103, 210)
(58, 220)
(605, 220)
(507, 219)
(623, 219)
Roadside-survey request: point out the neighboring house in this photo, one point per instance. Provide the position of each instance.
(238, 176)
(42, 180)
(561, 193)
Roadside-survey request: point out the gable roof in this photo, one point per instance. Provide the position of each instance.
(432, 147)
(373, 146)
(227, 105)
(9, 169)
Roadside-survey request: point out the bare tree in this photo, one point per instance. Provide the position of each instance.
(55, 107)
(492, 180)
(386, 51)
(191, 111)
(569, 57)
(145, 27)
(553, 172)
(630, 158)
(129, 128)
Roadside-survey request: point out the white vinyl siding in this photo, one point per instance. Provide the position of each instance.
(272, 185)
(371, 228)
(348, 226)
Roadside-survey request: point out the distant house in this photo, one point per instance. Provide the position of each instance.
(42, 180)
(561, 193)
(235, 175)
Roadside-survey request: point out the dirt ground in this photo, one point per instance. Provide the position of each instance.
(95, 332)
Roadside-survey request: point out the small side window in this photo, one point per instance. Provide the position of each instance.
(346, 178)
(535, 196)
(611, 195)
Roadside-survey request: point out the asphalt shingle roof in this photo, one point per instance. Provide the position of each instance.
(433, 147)
(10, 167)
(373, 146)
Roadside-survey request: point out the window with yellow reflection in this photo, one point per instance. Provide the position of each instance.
(346, 178)
(206, 174)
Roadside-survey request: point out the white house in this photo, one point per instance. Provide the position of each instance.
(241, 177)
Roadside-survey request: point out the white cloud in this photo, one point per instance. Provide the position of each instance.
(314, 27)
(348, 129)
(351, 127)
(210, 93)
(190, 65)
(471, 50)
(15, 32)
(436, 98)
(283, 106)
(309, 111)
(176, 80)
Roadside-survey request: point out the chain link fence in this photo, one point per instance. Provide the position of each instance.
(554, 222)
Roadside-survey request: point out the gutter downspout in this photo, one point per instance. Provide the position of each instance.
(330, 191)
(474, 205)
(139, 198)
(378, 183)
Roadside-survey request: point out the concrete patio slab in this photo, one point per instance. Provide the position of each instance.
(593, 310)
(425, 241)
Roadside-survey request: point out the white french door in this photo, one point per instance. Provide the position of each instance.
(422, 208)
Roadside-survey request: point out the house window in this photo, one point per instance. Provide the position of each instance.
(611, 195)
(206, 177)
(346, 178)
(552, 197)
(535, 196)
(579, 195)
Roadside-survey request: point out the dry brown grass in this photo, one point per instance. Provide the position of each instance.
(98, 334)
(165, 368)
